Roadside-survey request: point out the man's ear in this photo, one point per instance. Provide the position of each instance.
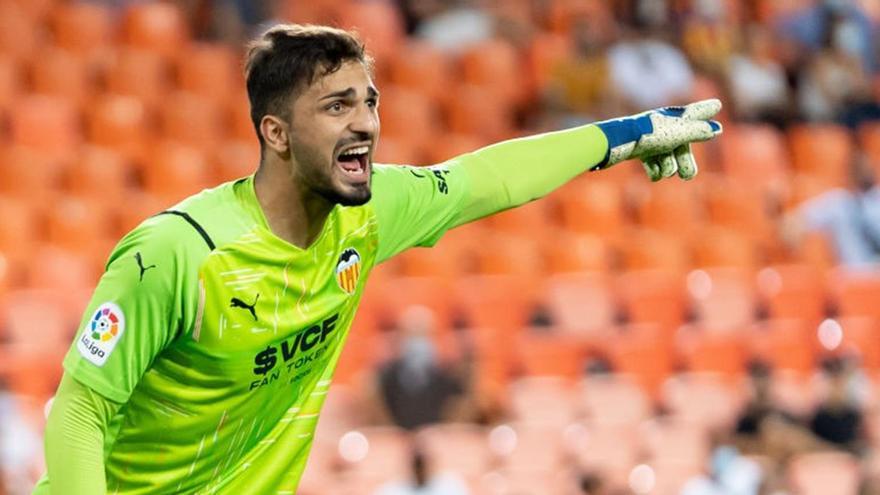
(274, 132)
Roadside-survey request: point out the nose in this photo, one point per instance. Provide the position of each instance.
(365, 121)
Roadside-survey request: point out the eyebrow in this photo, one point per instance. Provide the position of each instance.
(349, 93)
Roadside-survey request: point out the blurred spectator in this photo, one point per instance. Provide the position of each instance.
(414, 387)
(20, 446)
(839, 23)
(451, 25)
(648, 71)
(850, 218)
(757, 81)
(729, 474)
(838, 420)
(423, 482)
(763, 428)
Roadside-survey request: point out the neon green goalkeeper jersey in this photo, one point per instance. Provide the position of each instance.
(220, 338)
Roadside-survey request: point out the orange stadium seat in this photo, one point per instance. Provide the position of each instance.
(822, 150)
(702, 350)
(546, 52)
(504, 302)
(238, 117)
(530, 219)
(461, 448)
(611, 398)
(388, 449)
(671, 207)
(438, 262)
(547, 399)
(20, 34)
(29, 175)
(581, 302)
(793, 291)
(741, 208)
(645, 249)
(784, 344)
(19, 229)
(61, 73)
(233, 159)
(510, 255)
(121, 123)
(479, 111)
(399, 151)
(609, 449)
(549, 352)
(46, 123)
(397, 294)
(98, 173)
(755, 151)
(175, 170)
(825, 472)
(36, 319)
(156, 26)
(210, 70)
(379, 24)
(453, 145)
(65, 270)
(652, 296)
(82, 225)
(533, 446)
(855, 292)
(136, 72)
(11, 80)
(566, 252)
(423, 67)
(673, 439)
(83, 27)
(869, 138)
(592, 206)
(860, 337)
(408, 115)
(707, 399)
(716, 246)
(723, 299)
(639, 351)
(495, 64)
(190, 118)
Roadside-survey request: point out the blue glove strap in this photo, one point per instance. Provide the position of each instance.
(622, 131)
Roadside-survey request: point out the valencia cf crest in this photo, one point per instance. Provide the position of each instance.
(348, 269)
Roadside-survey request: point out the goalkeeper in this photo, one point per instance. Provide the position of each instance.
(209, 344)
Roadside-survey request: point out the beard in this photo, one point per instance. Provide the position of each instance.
(359, 197)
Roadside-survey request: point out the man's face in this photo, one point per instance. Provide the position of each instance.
(334, 130)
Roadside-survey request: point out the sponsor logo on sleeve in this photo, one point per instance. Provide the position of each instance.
(101, 333)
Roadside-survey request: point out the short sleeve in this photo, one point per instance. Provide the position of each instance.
(415, 206)
(141, 303)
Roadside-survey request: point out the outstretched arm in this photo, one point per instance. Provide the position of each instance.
(515, 172)
(416, 205)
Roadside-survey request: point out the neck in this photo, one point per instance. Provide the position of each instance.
(293, 212)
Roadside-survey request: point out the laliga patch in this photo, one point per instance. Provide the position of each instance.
(348, 269)
(101, 333)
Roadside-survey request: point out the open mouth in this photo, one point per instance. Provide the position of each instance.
(353, 162)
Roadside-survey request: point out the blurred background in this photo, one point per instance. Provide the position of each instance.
(712, 337)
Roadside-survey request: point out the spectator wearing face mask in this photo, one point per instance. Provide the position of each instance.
(414, 387)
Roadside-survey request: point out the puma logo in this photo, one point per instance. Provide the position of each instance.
(140, 262)
(238, 303)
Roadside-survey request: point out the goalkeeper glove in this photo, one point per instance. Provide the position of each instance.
(661, 138)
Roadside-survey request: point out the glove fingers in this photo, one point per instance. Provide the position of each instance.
(652, 168)
(702, 110)
(687, 166)
(668, 166)
(703, 130)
